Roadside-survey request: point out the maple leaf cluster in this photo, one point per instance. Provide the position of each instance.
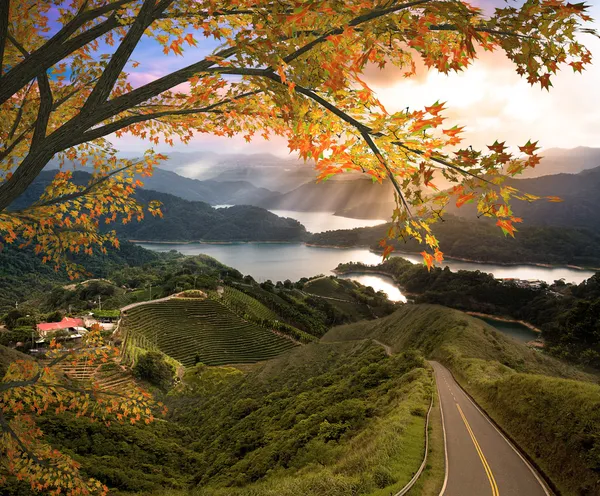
(31, 388)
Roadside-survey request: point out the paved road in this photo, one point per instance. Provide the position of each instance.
(480, 461)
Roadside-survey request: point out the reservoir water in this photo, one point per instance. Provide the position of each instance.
(281, 261)
(513, 329)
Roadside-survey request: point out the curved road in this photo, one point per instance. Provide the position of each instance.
(480, 461)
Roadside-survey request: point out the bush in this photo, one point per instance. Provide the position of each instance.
(153, 368)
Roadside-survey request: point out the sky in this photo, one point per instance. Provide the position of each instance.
(490, 99)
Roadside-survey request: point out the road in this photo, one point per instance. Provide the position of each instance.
(479, 459)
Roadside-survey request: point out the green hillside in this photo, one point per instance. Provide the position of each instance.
(190, 329)
(548, 407)
(323, 419)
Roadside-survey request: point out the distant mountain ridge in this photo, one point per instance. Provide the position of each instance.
(580, 206)
(186, 220)
(331, 196)
(209, 191)
(564, 161)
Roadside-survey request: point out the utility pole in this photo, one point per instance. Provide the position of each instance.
(150, 290)
(100, 302)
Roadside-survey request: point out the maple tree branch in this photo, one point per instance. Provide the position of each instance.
(374, 14)
(77, 194)
(149, 90)
(5, 386)
(365, 131)
(5, 425)
(52, 52)
(443, 162)
(369, 140)
(17, 45)
(4, 10)
(45, 109)
(117, 62)
(19, 115)
(21, 137)
(453, 27)
(107, 129)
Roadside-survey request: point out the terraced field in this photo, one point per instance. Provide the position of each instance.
(237, 300)
(184, 328)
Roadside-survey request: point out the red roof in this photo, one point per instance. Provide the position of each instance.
(63, 324)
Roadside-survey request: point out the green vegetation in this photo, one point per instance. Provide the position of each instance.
(25, 277)
(567, 314)
(184, 328)
(153, 368)
(241, 303)
(481, 240)
(106, 314)
(547, 406)
(341, 418)
(185, 220)
(321, 419)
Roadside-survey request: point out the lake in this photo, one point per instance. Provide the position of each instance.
(513, 329)
(317, 222)
(378, 283)
(281, 261)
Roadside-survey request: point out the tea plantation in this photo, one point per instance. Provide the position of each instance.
(188, 329)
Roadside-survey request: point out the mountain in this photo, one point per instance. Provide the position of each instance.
(579, 208)
(223, 192)
(330, 196)
(565, 160)
(207, 165)
(283, 179)
(210, 191)
(186, 220)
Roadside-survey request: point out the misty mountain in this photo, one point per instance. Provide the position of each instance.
(210, 191)
(235, 192)
(208, 165)
(331, 196)
(564, 160)
(185, 220)
(282, 179)
(580, 206)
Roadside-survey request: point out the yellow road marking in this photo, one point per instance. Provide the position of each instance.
(486, 467)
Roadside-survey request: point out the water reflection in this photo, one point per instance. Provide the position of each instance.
(378, 283)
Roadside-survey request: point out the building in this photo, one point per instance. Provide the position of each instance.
(66, 324)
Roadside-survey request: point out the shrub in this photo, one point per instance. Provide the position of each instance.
(153, 368)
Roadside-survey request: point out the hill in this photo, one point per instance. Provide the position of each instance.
(270, 431)
(25, 277)
(332, 419)
(548, 407)
(579, 207)
(193, 330)
(197, 221)
(236, 192)
(166, 179)
(481, 240)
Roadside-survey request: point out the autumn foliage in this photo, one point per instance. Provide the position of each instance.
(31, 388)
(288, 68)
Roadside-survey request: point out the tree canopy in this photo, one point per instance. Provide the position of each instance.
(287, 68)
